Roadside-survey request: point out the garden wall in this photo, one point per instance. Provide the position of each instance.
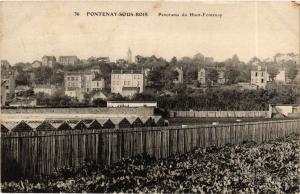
(220, 114)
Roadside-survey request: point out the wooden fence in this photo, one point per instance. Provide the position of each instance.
(41, 152)
(220, 114)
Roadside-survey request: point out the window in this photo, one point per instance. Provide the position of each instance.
(256, 74)
(97, 84)
(126, 83)
(262, 80)
(262, 73)
(72, 78)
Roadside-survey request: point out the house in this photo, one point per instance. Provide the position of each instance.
(259, 77)
(31, 74)
(3, 93)
(97, 83)
(9, 84)
(204, 71)
(280, 77)
(180, 75)
(74, 93)
(78, 83)
(36, 64)
(202, 76)
(28, 102)
(127, 83)
(68, 60)
(146, 74)
(4, 63)
(46, 89)
(48, 61)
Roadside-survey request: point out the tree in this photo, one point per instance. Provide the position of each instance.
(231, 75)
(272, 72)
(100, 102)
(173, 61)
(143, 97)
(57, 79)
(292, 72)
(212, 76)
(43, 75)
(235, 60)
(22, 78)
(155, 79)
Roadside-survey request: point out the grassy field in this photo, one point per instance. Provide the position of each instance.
(270, 167)
(198, 121)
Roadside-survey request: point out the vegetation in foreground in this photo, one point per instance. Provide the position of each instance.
(271, 167)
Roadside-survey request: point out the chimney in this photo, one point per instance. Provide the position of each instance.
(259, 68)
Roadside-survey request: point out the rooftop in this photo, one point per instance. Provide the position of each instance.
(127, 72)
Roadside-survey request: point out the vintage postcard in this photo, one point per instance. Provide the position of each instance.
(147, 97)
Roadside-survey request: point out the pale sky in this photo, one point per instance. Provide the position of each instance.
(30, 30)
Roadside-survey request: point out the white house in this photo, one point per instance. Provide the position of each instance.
(259, 77)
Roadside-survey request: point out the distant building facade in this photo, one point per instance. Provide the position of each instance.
(129, 56)
(78, 83)
(3, 93)
(48, 61)
(46, 89)
(127, 83)
(203, 75)
(9, 84)
(260, 77)
(68, 60)
(280, 77)
(4, 63)
(180, 75)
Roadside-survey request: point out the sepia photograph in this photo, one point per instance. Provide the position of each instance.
(150, 97)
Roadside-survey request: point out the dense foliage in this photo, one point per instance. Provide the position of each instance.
(218, 99)
(271, 167)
